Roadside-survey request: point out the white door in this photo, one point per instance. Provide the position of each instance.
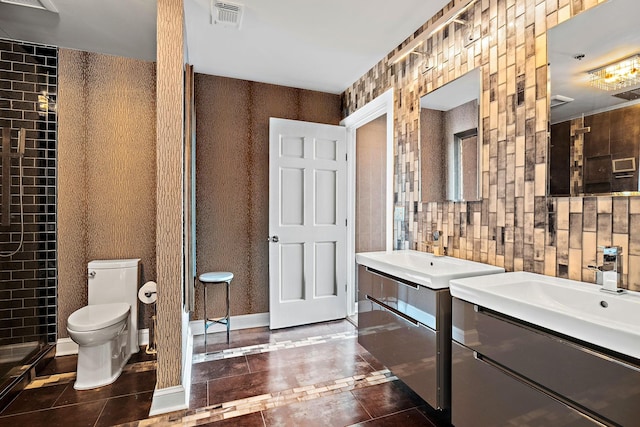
(307, 223)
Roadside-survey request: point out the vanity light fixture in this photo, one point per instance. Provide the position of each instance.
(618, 75)
(452, 15)
(429, 61)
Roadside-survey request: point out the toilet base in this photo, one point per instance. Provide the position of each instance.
(102, 364)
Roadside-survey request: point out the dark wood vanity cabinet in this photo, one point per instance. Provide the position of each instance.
(407, 327)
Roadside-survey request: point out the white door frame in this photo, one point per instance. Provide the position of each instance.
(383, 104)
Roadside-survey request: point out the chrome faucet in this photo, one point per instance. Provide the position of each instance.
(609, 273)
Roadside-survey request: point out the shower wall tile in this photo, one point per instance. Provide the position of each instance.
(28, 278)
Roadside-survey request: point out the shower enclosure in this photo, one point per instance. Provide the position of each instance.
(28, 266)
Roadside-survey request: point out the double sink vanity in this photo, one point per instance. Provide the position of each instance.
(488, 348)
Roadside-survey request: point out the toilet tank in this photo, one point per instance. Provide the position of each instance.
(113, 281)
(116, 280)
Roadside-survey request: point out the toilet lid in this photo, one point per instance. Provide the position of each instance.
(97, 316)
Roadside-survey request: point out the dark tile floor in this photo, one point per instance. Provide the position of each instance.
(295, 381)
(51, 399)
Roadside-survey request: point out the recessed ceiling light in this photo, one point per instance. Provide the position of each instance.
(36, 4)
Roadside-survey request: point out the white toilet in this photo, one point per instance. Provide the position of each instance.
(106, 330)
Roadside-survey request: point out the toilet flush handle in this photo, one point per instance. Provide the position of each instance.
(92, 274)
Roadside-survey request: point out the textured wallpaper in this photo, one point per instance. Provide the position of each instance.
(169, 167)
(515, 225)
(106, 144)
(232, 181)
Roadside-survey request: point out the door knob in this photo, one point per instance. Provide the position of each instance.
(274, 239)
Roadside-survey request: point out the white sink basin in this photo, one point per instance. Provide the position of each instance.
(424, 268)
(577, 309)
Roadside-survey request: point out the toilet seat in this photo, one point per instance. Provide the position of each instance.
(97, 316)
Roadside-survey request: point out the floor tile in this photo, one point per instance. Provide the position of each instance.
(60, 365)
(335, 410)
(125, 409)
(387, 398)
(304, 331)
(74, 415)
(204, 371)
(241, 338)
(249, 420)
(375, 364)
(337, 351)
(128, 383)
(248, 385)
(141, 356)
(198, 396)
(312, 364)
(408, 418)
(34, 399)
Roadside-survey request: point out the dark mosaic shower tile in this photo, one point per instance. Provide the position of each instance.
(18, 86)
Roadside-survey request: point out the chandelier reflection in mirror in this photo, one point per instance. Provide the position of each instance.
(618, 75)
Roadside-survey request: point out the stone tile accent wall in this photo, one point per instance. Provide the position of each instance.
(28, 278)
(515, 225)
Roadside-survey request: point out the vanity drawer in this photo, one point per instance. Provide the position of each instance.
(601, 383)
(409, 350)
(425, 305)
(483, 395)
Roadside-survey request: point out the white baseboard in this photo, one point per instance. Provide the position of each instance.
(66, 346)
(168, 400)
(243, 321)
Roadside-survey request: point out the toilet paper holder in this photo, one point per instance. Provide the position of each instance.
(148, 294)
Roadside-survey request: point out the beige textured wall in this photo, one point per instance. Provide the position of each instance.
(106, 167)
(515, 225)
(169, 164)
(371, 185)
(232, 181)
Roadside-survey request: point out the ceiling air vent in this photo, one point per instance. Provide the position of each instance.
(227, 14)
(36, 4)
(629, 95)
(558, 100)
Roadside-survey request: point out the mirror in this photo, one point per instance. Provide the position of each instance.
(595, 102)
(451, 141)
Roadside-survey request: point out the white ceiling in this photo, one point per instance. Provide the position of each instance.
(323, 45)
(116, 27)
(604, 34)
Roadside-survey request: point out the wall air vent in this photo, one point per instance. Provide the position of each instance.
(226, 14)
(558, 100)
(36, 4)
(629, 95)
